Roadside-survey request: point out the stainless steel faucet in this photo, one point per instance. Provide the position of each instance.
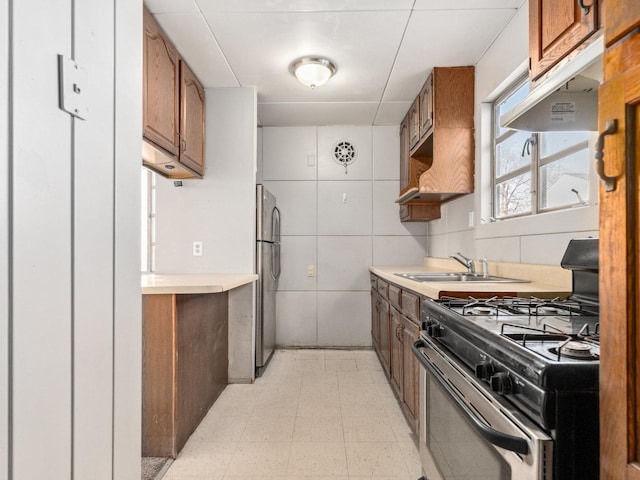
(467, 262)
(485, 267)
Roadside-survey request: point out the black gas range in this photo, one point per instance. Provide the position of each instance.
(540, 357)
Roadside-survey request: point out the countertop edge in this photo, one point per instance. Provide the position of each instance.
(434, 289)
(153, 284)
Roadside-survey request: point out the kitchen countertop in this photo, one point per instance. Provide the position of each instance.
(546, 280)
(194, 283)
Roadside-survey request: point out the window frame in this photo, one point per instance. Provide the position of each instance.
(536, 163)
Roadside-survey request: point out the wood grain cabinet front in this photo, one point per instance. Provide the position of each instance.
(556, 28)
(173, 108)
(185, 364)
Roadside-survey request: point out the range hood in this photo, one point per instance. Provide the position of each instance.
(565, 101)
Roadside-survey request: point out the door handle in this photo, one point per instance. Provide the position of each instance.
(610, 127)
(584, 7)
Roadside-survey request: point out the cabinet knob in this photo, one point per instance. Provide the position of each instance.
(584, 7)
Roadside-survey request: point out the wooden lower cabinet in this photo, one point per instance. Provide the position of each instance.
(396, 319)
(185, 364)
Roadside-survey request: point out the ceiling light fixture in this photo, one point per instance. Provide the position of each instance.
(313, 71)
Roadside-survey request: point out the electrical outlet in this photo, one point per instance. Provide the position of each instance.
(311, 160)
(472, 219)
(311, 270)
(197, 249)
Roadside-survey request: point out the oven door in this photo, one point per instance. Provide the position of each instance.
(467, 432)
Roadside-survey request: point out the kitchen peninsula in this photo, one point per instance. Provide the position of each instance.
(197, 338)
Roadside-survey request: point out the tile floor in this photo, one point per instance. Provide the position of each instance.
(314, 413)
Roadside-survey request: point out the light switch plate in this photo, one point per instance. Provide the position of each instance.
(72, 85)
(197, 249)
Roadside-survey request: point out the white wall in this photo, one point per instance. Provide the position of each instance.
(338, 236)
(219, 209)
(70, 292)
(542, 239)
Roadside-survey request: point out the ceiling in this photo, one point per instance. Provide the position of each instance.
(384, 50)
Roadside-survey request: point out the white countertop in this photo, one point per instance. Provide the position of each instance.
(547, 281)
(194, 283)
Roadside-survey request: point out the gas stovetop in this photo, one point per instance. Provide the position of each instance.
(530, 351)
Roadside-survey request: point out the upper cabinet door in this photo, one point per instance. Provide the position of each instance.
(426, 106)
(191, 120)
(556, 27)
(160, 87)
(620, 17)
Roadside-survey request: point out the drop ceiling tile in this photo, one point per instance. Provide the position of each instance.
(193, 39)
(363, 45)
(286, 114)
(466, 4)
(391, 113)
(442, 38)
(171, 6)
(302, 5)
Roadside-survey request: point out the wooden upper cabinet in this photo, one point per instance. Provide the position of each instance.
(173, 108)
(620, 18)
(619, 101)
(191, 120)
(556, 28)
(160, 87)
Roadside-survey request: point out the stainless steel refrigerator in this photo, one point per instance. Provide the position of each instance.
(268, 270)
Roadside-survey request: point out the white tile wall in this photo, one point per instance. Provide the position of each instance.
(344, 319)
(343, 262)
(545, 248)
(505, 249)
(398, 250)
(297, 253)
(296, 314)
(297, 204)
(386, 145)
(360, 138)
(386, 218)
(286, 152)
(338, 238)
(344, 208)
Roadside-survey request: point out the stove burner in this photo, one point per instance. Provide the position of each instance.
(483, 310)
(575, 349)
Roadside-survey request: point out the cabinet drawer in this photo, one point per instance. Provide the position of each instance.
(383, 288)
(411, 305)
(374, 281)
(394, 296)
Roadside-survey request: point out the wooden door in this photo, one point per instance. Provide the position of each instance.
(556, 27)
(397, 369)
(375, 320)
(619, 100)
(426, 106)
(414, 123)
(160, 87)
(411, 378)
(192, 112)
(385, 346)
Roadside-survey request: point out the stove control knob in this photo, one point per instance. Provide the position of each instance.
(484, 370)
(426, 324)
(434, 330)
(501, 383)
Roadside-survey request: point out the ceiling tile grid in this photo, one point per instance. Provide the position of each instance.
(384, 50)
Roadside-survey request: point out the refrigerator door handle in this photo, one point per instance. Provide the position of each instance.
(275, 251)
(275, 225)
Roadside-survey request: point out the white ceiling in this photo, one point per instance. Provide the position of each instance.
(384, 50)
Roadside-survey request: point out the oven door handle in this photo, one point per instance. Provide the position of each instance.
(499, 439)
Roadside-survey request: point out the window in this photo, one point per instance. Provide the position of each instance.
(147, 220)
(536, 172)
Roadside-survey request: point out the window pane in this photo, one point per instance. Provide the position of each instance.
(509, 154)
(551, 143)
(559, 179)
(508, 103)
(144, 218)
(513, 197)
